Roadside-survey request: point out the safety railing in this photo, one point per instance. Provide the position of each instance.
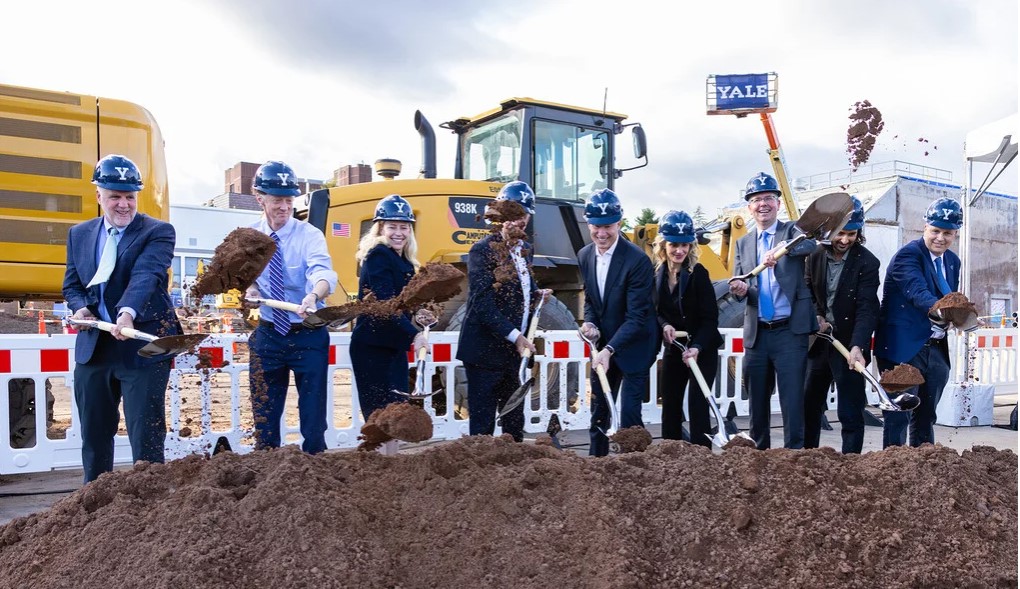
(208, 402)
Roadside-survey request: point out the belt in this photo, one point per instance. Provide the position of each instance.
(293, 326)
(773, 324)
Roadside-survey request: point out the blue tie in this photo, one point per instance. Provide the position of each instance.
(281, 321)
(765, 304)
(943, 285)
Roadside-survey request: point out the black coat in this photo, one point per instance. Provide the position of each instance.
(701, 313)
(855, 308)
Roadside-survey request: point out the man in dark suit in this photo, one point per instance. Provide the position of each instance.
(618, 314)
(778, 316)
(501, 297)
(919, 274)
(843, 277)
(117, 271)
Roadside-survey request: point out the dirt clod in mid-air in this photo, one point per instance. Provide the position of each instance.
(237, 262)
(865, 125)
(957, 309)
(901, 378)
(487, 512)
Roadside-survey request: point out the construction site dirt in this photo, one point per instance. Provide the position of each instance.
(490, 512)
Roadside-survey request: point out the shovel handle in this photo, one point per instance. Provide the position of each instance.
(601, 372)
(782, 252)
(846, 354)
(108, 327)
(275, 304)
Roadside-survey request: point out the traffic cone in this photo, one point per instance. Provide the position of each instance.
(42, 324)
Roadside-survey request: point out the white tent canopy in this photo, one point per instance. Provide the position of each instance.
(995, 144)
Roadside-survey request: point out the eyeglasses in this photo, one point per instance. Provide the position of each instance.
(760, 199)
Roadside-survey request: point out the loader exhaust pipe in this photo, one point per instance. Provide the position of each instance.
(428, 145)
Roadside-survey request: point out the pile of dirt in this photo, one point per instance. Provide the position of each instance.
(632, 439)
(865, 125)
(957, 309)
(236, 263)
(487, 512)
(901, 378)
(396, 421)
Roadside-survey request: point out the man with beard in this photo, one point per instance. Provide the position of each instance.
(843, 277)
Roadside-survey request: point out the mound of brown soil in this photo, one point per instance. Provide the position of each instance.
(396, 421)
(901, 378)
(632, 439)
(237, 262)
(484, 512)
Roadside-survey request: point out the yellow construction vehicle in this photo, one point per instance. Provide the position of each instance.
(49, 145)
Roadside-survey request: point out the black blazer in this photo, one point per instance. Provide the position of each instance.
(697, 300)
(384, 273)
(626, 316)
(492, 313)
(855, 308)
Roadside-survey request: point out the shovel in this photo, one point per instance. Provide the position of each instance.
(721, 437)
(419, 381)
(527, 362)
(822, 219)
(901, 402)
(614, 426)
(312, 320)
(157, 346)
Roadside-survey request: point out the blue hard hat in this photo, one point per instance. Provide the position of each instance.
(761, 183)
(276, 179)
(116, 172)
(603, 208)
(520, 193)
(394, 208)
(677, 227)
(944, 213)
(856, 222)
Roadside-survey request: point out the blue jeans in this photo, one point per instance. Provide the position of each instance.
(933, 362)
(273, 356)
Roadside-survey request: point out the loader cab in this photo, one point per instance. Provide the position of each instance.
(565, 153)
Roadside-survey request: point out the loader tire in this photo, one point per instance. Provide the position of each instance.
(555, 316)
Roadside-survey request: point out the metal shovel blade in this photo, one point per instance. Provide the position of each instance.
(172, 345)
(902, 402)
(338, 314)
(516, 399)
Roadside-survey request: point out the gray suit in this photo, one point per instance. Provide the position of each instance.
(778, 351)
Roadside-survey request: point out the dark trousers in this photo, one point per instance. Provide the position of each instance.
(778, 356)
(488, 390)
(273, 357)
(633, 389)
(674, 378)
(99, 387)
(378, 373)
(933, 362)
(822, 369)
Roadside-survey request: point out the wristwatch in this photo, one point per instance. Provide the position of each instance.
(611, 350)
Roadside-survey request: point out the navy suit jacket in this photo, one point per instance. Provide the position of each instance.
(855, 306)
(789, 273)
(384, 273)
(139, 281)
(908, 294)
(492, 313)
(625, 316)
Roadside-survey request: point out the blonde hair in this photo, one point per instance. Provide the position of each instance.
(374, 237)
(659, 251)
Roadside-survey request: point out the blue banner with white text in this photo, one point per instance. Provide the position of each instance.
(743, 91)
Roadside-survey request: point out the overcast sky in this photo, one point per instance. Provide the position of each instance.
(321, 83)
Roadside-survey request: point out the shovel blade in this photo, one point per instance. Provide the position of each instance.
(171, 345)
(337, 314)
(516, 398)
(826, 215)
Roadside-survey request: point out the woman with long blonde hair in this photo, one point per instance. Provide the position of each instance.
(379, 344)
(684, 301)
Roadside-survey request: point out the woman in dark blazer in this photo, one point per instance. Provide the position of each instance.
(684, 301)
(379, 344)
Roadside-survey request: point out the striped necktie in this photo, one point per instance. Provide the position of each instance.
(281, 321)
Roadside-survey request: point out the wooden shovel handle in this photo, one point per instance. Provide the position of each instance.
(782, 252)
(846, 354)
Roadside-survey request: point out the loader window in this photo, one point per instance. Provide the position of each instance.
(571, 162)
(492, 151)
